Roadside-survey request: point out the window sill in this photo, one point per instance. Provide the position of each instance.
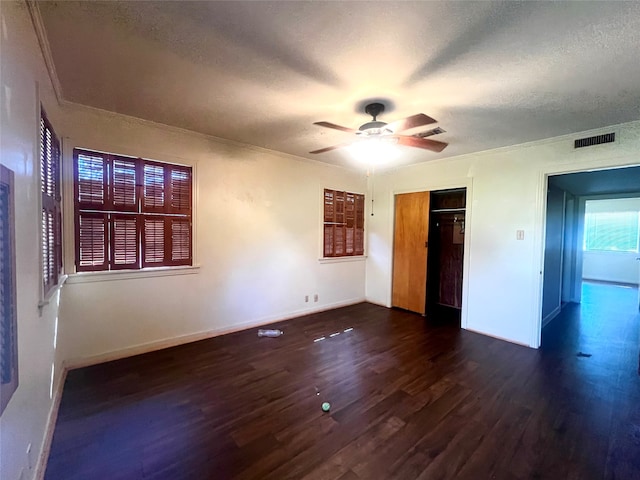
(355, 258)
(54, 290)
(112, 275)
(629, 253)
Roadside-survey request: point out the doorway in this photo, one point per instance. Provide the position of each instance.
(576, 248)
(428, 253)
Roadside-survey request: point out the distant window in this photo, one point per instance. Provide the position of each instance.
(343, 223)
(130, 213)
(612, 231)
(51, 221)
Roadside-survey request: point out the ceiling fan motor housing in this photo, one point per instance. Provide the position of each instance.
(374, 127)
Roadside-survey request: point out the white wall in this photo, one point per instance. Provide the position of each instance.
(621, 267)
(25, 418)
(257, 242)
(507, 191)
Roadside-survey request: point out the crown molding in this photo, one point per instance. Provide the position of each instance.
(43, 42)
(192, 133)
(567, 138)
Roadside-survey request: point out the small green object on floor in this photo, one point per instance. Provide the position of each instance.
(326, 406)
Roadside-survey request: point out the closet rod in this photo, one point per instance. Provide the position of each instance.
(443, 210)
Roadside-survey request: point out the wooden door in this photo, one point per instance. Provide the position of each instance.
(410, 235)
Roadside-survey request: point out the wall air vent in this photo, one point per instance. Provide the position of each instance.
(597, 140)
(433, 131)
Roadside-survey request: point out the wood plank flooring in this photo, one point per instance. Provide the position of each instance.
(410, 399)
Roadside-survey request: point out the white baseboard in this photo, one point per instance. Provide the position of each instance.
(80, 362)
(380, 304)
(41, 466)
(554, 313)
(497, 337)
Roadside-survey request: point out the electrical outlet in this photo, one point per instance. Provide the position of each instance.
(519, 234)
(306, 298)
(315, 297)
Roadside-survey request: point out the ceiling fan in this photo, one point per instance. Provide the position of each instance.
(390, 131)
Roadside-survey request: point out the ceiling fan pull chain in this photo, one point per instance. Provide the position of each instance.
(373, 170)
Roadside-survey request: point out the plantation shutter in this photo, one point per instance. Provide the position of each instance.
(91, 180)
(180, 190)
(91, 241)
(124, 241)
(343, 223)
(153, 241)
(131, 213)
(358, 248)
(124, 196)
(180, 241)
(51, 223)
(153, 187)
(329, 216)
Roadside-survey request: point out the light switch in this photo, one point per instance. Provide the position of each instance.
(519, 234)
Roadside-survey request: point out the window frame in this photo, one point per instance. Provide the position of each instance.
(50, 173)
(335, 224)
(110, 214)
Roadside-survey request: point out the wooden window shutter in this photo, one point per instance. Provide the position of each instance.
(153, 241)
(329, 217)
(51, 222)
(180, 190)
(359, 227)
(49, 277)
(47, 184)
(57, 214)
(124, 194)
(131, 213)
(350, 223)
(124, 241)
(153, 185)
(339, 240)
(91, 242)
(343, 224)
(90, 180)
(180, 241)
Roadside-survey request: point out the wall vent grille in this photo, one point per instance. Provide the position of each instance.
(597, 140)
(433, 131)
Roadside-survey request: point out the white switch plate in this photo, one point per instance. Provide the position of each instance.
(519, 234)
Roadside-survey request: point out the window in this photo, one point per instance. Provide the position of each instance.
(343, 223)
(51, 212)
(130, 213)
(8, 317)
(611, 231)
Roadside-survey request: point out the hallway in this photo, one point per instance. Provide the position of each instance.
(596, 346)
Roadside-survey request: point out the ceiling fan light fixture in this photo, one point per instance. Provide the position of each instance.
(372, 128)
(374, 150)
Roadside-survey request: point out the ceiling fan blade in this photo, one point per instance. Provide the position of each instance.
(335, 127)
(425, 143)
(328, 149)
(413, 121)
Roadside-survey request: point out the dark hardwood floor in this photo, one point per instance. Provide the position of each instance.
(410, 399)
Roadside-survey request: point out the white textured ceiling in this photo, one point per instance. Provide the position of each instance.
(492, 73)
